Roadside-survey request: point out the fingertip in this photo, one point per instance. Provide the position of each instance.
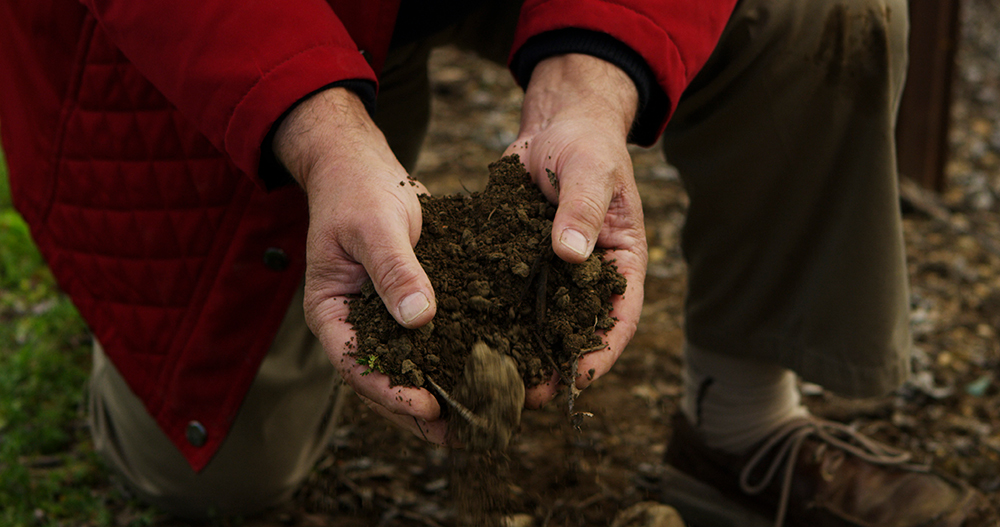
(432, 411)
(536, 400)
(593, 366)
(575, 241)
(430, 430)
(417, 402)
(539, 396)
(415, 310)
(435, 432)
(586, 378)
(573, 245)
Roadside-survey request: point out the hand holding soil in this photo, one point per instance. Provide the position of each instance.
(498, 282)
(357, 221)
(575, 120)
(364, 220)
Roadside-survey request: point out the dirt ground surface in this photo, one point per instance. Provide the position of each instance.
(949, 412)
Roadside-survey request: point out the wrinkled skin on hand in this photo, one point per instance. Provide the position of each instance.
(363, 222)
(575, 122)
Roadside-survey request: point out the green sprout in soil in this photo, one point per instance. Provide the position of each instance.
(372, 363)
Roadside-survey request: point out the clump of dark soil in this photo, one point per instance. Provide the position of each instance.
(489, 258)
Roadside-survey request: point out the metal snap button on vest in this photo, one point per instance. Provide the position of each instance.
(196, 434)
(275, 259)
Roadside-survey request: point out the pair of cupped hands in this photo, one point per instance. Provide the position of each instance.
(575, 120)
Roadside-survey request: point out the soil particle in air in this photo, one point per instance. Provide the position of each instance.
(493, 392)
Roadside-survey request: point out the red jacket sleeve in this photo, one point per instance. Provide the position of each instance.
(675, 37)
(233, 67)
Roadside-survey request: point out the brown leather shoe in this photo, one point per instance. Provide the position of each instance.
(816, 473)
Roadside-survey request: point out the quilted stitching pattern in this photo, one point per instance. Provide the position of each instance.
(138, 203)
(156, 236)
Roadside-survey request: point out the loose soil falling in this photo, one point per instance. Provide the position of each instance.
(492, 394)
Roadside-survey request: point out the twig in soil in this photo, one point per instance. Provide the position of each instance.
(543, 257)
(598, 347)
(466, 189)
(543, 278)
(574, 392)
(466, 414)
(576, 418)
(548, 355)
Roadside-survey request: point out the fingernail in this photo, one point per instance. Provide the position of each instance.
(575, 241)
(413, 306)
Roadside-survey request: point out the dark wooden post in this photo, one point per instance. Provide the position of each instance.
(922, 127)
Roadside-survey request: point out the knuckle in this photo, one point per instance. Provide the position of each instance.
(588, 208)
(392, 273)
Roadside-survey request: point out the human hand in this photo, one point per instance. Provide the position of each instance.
(575, 121)
(364, 220)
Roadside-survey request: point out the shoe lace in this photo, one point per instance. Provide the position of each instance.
(788, 441)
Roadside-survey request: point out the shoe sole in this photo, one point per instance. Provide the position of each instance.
(703, 506)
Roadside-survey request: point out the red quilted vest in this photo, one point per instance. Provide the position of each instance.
(133, 131)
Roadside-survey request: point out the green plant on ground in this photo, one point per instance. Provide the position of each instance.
(49, 474)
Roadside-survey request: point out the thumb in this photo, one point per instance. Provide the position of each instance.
(404, 287)
(579, 219)
(398, 277)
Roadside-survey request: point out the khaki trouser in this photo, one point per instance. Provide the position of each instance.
(793, 238)
(281, 430)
